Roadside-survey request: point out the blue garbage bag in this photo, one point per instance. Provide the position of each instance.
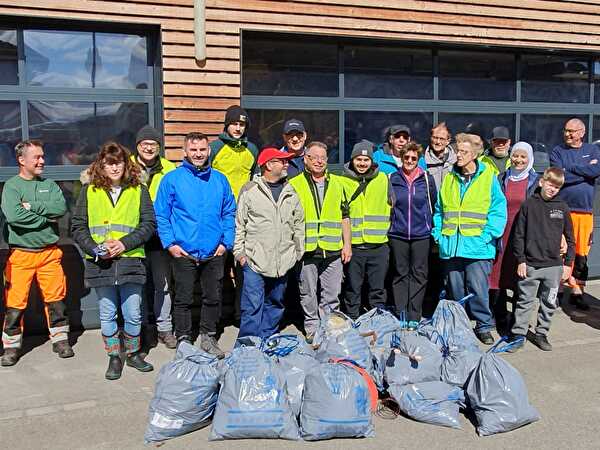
(459, 362)
(295, 357)
(414, 359)
(348, 344)
(185, 394)
(451, 321)
(383, 323)
(433, 402)
(253, 400)
(498, 395)
(335, 404)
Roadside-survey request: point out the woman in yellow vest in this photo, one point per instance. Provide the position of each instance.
(112, 220)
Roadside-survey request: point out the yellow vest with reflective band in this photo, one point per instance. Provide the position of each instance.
(322, 230)
(106, 221)
(487, 160)
(167, 166)
(468, 216)
(370, 211)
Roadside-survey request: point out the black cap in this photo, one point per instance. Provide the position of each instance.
(147, 133)
(500, 133)
(293, 125)
(398, 128)
(236, 113)
(474, 128)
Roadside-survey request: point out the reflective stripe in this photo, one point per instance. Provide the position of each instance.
(467, 226)
(357, 234)
(369, 232)
(105, 229)
(331, 239)
(311, 226)
(465, 215)
(451, 214)
(449, 226)
(99, 230)
(377, 218)
(356, 222)
(311, 239)
(336, 225)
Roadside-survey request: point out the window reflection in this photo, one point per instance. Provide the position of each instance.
(555, 78)
(8, 57)
(458, 122)
(388, 72)
(121, 61)
(596, 131)
(596, 81)
(73, 131)
(10, 131)
(372, 125)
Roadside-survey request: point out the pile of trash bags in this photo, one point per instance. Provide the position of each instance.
(283, 388)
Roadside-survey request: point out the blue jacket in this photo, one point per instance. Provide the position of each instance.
(532, 182)
(411, 216)
(386, 162)
(472, 247)
(580, 176)
(195, 209)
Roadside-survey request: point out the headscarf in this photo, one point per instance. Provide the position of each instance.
(518, 175)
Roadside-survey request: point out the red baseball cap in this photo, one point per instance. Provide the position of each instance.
(269, 153)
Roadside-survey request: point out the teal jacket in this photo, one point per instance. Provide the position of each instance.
(472, 247)
(386, 162)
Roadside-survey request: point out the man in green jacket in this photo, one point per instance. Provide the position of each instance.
(32, 205)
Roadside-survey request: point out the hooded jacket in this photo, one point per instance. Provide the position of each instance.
(532, 182)
(269, 234)
(440, 167)
(386, 162)
(195, 209)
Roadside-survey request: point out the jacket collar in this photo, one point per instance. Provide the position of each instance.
(352, 174)
(203, 172)
(228, 140)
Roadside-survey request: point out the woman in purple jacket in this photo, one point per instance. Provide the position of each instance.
(412, 197)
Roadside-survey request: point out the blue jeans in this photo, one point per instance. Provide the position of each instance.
(470, 276)
(129, 296)
(261, 304)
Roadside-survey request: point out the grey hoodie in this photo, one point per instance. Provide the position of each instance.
(440, 167)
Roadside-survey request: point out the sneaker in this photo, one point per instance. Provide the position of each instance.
(167, 338)
(10, 357)
(517, 341)
(485, 337)
(541, 341)
(209, 344)
(577, 301)
(63, 349)
(412, 325)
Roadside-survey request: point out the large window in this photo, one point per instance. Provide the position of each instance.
(349, 89)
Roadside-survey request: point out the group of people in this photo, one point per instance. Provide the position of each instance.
(279, 217)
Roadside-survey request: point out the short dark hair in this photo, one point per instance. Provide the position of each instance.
(194, 136)
(21, 146)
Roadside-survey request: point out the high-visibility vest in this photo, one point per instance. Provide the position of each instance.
(324, 229)
(106, 221)
(468, 215)
(487, 160)
(167, 166)
(370, 211)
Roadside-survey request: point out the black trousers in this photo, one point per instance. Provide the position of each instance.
(410, 259)
(210, 273)
(370, 264)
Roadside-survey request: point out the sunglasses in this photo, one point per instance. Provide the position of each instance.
(401, 134)
(410, 158)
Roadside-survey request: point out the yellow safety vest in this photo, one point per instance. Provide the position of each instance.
(106, 221)
(167, 166)
(322, 230)
(487, 160)
(468, 215)
(370, 211)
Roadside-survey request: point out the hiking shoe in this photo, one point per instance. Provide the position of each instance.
(115, 368)
(167, 338)
(136, 360)
(10, 357)
(412, 325)
(577, 301)
(209, 344)
(485, 337)
(517, 341)
(541, 341)
(63, 349)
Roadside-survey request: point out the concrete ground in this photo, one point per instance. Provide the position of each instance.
(47, 403)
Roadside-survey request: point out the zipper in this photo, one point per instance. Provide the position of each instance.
(410, 194)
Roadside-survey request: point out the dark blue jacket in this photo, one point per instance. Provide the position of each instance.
(411, 216)
(296, 164)
(532, 182)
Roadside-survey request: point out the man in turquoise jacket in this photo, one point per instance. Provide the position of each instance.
(470, 215)
(387, 155)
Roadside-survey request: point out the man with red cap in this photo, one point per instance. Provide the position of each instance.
(269, 240)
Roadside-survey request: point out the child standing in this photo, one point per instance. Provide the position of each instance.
(539, 225)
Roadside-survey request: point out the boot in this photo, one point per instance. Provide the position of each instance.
(115, 368)
(209, 344)
(63, 349)
(134, 358)
(10, 357)
(167, 338)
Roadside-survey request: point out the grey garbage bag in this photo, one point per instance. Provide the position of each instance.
(350, 345)
(414, 359)
(433, 402)
(451, 321)
(383, 323)
(252, 401)
(185, 394)
(296, 358)
(458, 363)
(497, 394)
(336, 404)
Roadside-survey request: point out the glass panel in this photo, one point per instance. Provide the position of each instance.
(597, 81)
(72, 131)
(372, 125)
(387, 72)
(9, 72)
(466, 75)
(267, 127)
(596, 131)
(457, 122)
(555, 78)
(121, 61)
(285, 67)
(10, 132)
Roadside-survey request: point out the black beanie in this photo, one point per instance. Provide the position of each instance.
(147, 133)
(236, 113)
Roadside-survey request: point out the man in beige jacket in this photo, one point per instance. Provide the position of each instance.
(269, 240)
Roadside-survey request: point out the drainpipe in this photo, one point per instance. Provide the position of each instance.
(200, 32)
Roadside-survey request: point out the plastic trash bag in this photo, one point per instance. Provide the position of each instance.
(459, 362)
(185, 394)
(498, 395)
(414, 359)
(253, 400)
(349, 345)
(295, 357)
(451, 321)
(433, 402)
(382, 323)
(332, 324)
(336, 403)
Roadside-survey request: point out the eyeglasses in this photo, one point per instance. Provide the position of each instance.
(317, 158)
(149, 144)
(567, 131)
(401, 134)
(438, 138)
(410, 158)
